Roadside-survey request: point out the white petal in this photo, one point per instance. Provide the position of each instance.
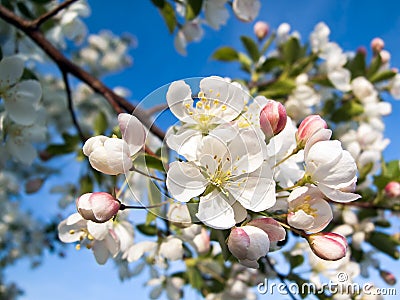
(179, 94)
(23, 151)
(300, 220)
(112, 243)
(184, 181)
(321, 135)
(185, 141)
(340, 78)
(132, 131)
(21, 101)
(215, 211)
(98, 230)
(94, 142)
(11, 69)
(171, 248)
(100, 252)
(337, 195)
(255, 191)
(118, 157)
(137, 250)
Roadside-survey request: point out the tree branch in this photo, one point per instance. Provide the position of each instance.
(118, 103)
(48, 15)
(71, 107)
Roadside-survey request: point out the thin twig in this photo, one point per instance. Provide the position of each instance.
(71, 107)
(123, 206)
(281, 277)
(157, 108)
(118, 103)
(51, 13)
(145, 174)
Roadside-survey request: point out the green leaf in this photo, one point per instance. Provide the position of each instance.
(245, 62)
(347, 111)
(193, 8)
(384, 75)
(277, 89)
(153, 162)
(385, 243)
(154, 196)
(225, 54)
(357, 65)
(168, 13)
(300, 283)
(194, 277)
(269, 64)
(100, 123)
(295, 260)
(28, 74)
(374, 66)
(148, 229)
(382, 223)
(251, 48)
(291, 50)
(70, 145)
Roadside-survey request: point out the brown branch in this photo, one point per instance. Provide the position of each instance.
(71, 107)
(118, 103)
(51, 13)
(157, 108)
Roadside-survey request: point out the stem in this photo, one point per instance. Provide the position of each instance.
(123, 186)
(281, 277)
(295, 150)
(145, 174)
(123, 206)
(118, 103)
(71, 107)
(48, 15)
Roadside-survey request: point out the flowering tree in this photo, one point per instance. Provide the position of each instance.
(281, 167)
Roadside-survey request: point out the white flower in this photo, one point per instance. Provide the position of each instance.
(198, 237)
(246, 10)
(112, 155)
(319, 38)
(363, 89)
(101, 238)
(190, 31)
(171, 248)
(20, 98)
(219, 103)
(332, 169)
(395, 87)
(234, 175)
(216, 13)
(308, 210)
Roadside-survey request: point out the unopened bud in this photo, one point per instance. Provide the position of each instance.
(328, 245)
(261, 29)
(377, 44)
(248, 244)
(362, 50)
(272, 118)
(392, 189)
(388, 277)
(97, 207)
(308, 127)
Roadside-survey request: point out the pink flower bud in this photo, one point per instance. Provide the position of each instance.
(388, 277)
(308, 127)
(261, 29)
(362, 50)
(392, 189)
(248, 244)
(377, 44)
(97, 207)
(273, 118)
(328, 245)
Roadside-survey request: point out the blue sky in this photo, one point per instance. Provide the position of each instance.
(156, 63)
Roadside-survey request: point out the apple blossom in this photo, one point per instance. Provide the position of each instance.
(233, 174)
(261, 29)
(363, 89)
(332, 169)
(319, 38)
(216, 13)
(97, 207)
(308, 210)
(219, 103)
(272, 118)
(308, 127)
(101, 238)
(395, 87)
(21, 99)
(246, 10)
(113, 156)
(328, 246)
(392, 189)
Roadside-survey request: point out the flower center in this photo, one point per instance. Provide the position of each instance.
(306, 207)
